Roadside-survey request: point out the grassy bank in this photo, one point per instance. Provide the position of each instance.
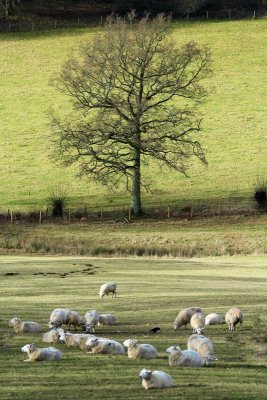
(234, 119)
(150, 293)
(172, 238)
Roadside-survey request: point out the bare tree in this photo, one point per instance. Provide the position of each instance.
(125, 87)
(9, 6)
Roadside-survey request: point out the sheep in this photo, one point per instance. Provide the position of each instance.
(73, 339)
(197, 322)
(21, 326)
(75, 319)
(52, 336)
(106, 288)
(41, 354)
(155, 379)
(105, 346)
(139, 351)
(107, 319)
(232, 317)
(184, 358)
(203, 346)
(91, 319)
(184, 316)
(58, 317)
(213, 319)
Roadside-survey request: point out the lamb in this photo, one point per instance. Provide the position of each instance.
(107, 319)
(184, 317)
(91, 319)
(139, 351)
(105, 346)
(197, 322)
(213, 319)
(106, 288)
(52, 336)
(21, 326)
(203, 346)
(232, 317)
(41, 354)
(155, 379)
(58, 317)
(184, 358)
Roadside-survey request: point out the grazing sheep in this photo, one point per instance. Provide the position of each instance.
(105, 346)
(75, 319)
(73, 339)
(184, 317)
(139, 351)
(232, 317)
(155, 379)
(58, 317)
(52, 336)
(106, 288)
(213, 319)
(203, 346)
(25, 326)
(197, 322)
(41, 354)
(107, 319)
(91, 320)
(184, 358)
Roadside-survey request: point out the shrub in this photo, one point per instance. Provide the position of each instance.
(58, 203)
(260, 194)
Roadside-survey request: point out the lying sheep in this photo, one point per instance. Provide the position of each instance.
(43, 354)
(184, 358)
(106, 288)
(233, 317)
(21, 326)
(58, 317)
(213, 319)
(105, 346)
(197, 322)
(203, 346)
(139, 351)
(91, 320)
(155, 379)
(107, 319)
(73, 339)
(52, 336)
(184, 317)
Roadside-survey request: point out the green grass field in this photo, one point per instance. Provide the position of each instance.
(234, 119)
(150, 293)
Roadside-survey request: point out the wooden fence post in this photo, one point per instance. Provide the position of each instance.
(40, 218)
(191, 211)
(130, 214)
(11, 217)
(169, 212)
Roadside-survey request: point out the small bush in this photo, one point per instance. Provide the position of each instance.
(260, 194)
(58, 203)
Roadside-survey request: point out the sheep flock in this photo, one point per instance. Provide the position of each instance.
(200, 351)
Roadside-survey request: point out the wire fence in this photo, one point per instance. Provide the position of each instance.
(123, 214)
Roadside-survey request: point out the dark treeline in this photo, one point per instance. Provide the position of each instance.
(178, 8)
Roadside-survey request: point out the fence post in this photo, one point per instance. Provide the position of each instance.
(32, 26)
(191, 212)
(207, 14)
(78, 21)
(55, 24)
(101, 214)
(40, 217)
(11, 217)
(69, 215)
(130, 214)
(169, 212)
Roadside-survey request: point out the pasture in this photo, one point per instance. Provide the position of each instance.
(234, 124)
(150, 293)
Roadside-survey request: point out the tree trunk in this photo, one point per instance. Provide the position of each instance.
(136, 187)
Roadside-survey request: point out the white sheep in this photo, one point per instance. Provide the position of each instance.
(184, 316)
(105, 346)
(41, 354)
(233, 317)
(203, 346)
(52, 336)
(91, 320)
(58, 317)
(106, 288)
(155, 379)
(197, 322)
(138, 351)
(184, 358)
(75, 319)
(21, 326)
(73, 339)
(213, 319)
(107, 319)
